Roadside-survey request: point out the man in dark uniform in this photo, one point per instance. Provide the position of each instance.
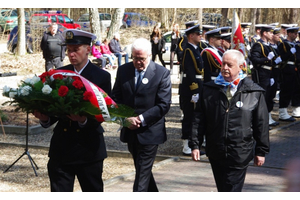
(192, 66)
(245, 30)
(283, 32)
(77, 146)
(181, 46)
(212, 57)
(225, 42)
(256, 37)
(183, 40)
(263, 59)
(204, 42)
(289, 86)
(53, 51)
(275, 88)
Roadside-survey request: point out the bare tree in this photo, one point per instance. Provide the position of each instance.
(115, 22)
(95, 22)
(224, 13)
(293, 15)
(258, 16)
(200, 16)
(253, 20)
(21, 45)
(174, 20)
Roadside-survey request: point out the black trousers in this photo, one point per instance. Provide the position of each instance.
(160, 56)
(228, 179)
(62, 176)
(188, 111)
(143, 156)
(289, 89)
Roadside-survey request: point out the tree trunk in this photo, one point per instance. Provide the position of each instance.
(258, 16)
(174, 17)
(115, 23)
(21, 45)
(164, 18)
(240, 14)
(224, 16)
(95, 22)
(253, 20)
(200, 16)
(293, 15)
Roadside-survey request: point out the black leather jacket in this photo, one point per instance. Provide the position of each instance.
(232, 128)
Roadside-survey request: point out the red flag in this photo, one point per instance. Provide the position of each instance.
(237, 39)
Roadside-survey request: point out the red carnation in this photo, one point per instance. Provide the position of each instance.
(75, 77)
(43, 76)
(108, 100)
(87, 95)
(63, 91)
(77, 84)
(58, 76)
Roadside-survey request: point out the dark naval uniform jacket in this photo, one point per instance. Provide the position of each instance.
(212, 66)
(192, 67)
(260, 61)
(73, 144)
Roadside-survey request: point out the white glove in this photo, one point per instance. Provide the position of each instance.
(272, 81)
(248, 47)
(271, 55)
(195, 98)
(293, 50)
(278, 60)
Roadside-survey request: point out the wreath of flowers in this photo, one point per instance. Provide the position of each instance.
(61, 92)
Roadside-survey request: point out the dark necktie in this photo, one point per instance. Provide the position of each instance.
(139, 80)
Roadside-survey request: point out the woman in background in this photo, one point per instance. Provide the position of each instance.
(158, 44)
(175, 37)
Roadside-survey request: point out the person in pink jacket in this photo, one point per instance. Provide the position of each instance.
(107, 53)
(96, 52)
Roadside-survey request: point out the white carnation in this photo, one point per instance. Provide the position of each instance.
(12, 94)
(25, 90)
(46, 89)
(6, 89)
(34, 80)
(27, 80)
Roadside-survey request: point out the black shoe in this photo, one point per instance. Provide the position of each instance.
(274, 124)
(291, 119)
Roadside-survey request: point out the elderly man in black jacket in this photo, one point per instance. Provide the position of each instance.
(233, 116)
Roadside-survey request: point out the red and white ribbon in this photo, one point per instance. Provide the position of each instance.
(97, 98)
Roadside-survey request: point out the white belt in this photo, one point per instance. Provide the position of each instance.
(290, 63)
(266, 67)
(276, 66)
(213, 78)
(197, 76)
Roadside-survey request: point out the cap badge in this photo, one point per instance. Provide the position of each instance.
(69, 35)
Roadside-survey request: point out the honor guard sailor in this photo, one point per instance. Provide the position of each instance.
(212, 57)
(263, 59)
(289, 85)
(192, 67)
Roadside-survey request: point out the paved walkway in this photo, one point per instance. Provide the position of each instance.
(184, 175)
(181, 174)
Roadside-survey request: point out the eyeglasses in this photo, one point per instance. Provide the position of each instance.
(139, 59)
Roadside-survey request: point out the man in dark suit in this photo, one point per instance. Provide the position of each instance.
(77, 145)
(146, 87)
